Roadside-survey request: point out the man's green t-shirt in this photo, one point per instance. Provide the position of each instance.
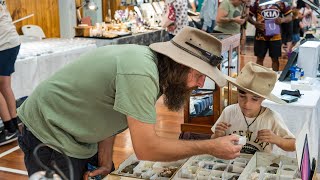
(230, 27)
(89, 99)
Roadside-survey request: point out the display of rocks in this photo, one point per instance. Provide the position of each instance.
(147, 170)
(264, 166)
(207, 167)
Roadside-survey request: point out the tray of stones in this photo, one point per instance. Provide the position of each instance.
(207, 167)
(265, 166)
(137, 169)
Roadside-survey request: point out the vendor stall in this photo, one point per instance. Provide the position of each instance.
(40, 59)
(296, 114)
(145, 38)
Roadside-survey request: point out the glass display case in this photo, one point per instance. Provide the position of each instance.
(205, 105)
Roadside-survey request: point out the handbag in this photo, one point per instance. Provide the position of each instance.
(169, 18)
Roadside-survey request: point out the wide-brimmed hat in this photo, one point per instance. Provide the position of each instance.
(196, 49)
(258, 80)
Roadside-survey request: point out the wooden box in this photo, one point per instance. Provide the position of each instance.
(83, 31)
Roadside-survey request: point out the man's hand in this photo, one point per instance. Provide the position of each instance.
(238, 20)
(220, 129)
(104, 159)
(225, 148)
(278, 21)
(103, 171)
(266, 135)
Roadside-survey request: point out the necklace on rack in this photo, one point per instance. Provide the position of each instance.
(248, 125)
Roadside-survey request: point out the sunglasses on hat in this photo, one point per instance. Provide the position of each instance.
(213, 59)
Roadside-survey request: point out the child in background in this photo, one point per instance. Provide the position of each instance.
(262, 126)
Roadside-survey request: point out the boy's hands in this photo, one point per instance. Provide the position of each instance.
(221, 128)
(266, 135)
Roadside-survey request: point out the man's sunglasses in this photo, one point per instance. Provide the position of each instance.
(213, 59)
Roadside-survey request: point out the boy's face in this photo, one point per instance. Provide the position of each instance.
(249, 103)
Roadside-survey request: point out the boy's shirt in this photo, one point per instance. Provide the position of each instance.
(266, 120)
(272, 11)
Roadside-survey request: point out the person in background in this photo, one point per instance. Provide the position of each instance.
(208, 15)
(296, 23)
(277, 12)
(229, 18)
(262, 127)
(181, 11)
(192, 5)
(9, 49)
(309, 19)
(244, 15)
(286, 35)
(83, 106)
(199, 4)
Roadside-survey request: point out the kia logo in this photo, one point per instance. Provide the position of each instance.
(270, 13)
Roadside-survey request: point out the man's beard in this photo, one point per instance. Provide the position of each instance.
(176, 95)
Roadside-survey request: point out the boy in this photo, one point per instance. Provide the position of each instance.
(262, 126)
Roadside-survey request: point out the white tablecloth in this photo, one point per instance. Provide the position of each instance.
(305, 110)
(39, 60)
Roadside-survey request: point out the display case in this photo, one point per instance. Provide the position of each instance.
(195, 120)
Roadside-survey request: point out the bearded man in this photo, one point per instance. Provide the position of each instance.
(83, 106)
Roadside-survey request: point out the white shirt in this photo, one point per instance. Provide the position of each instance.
(9, 37)
(266, 120)
(181, 10)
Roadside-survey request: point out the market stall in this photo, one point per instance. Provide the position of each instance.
(40, 59)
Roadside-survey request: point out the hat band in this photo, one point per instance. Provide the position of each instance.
(193, 54)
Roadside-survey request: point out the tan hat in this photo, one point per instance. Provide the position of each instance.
(196, 49)
(258, 80)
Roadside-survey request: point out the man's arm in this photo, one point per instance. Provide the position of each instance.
(285, 19)
(105, 152)
(222, 16)
(149, 146)
(257, 25)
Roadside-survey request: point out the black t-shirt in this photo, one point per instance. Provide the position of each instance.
(296, 26)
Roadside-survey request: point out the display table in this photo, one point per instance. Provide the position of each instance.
(145, 38)
(40, 59)
(305, 110)
(309, 58)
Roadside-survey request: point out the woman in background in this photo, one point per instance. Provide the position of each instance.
(229, 19)
(181, 12)
(9, 49)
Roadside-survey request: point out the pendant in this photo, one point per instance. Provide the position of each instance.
(248, 132)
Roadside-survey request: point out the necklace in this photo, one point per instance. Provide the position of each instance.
(245, 119)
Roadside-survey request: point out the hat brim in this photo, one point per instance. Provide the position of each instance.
(184, 58)
(270, 97)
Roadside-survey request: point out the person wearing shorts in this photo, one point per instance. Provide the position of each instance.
(279, 12)
(9, 49)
